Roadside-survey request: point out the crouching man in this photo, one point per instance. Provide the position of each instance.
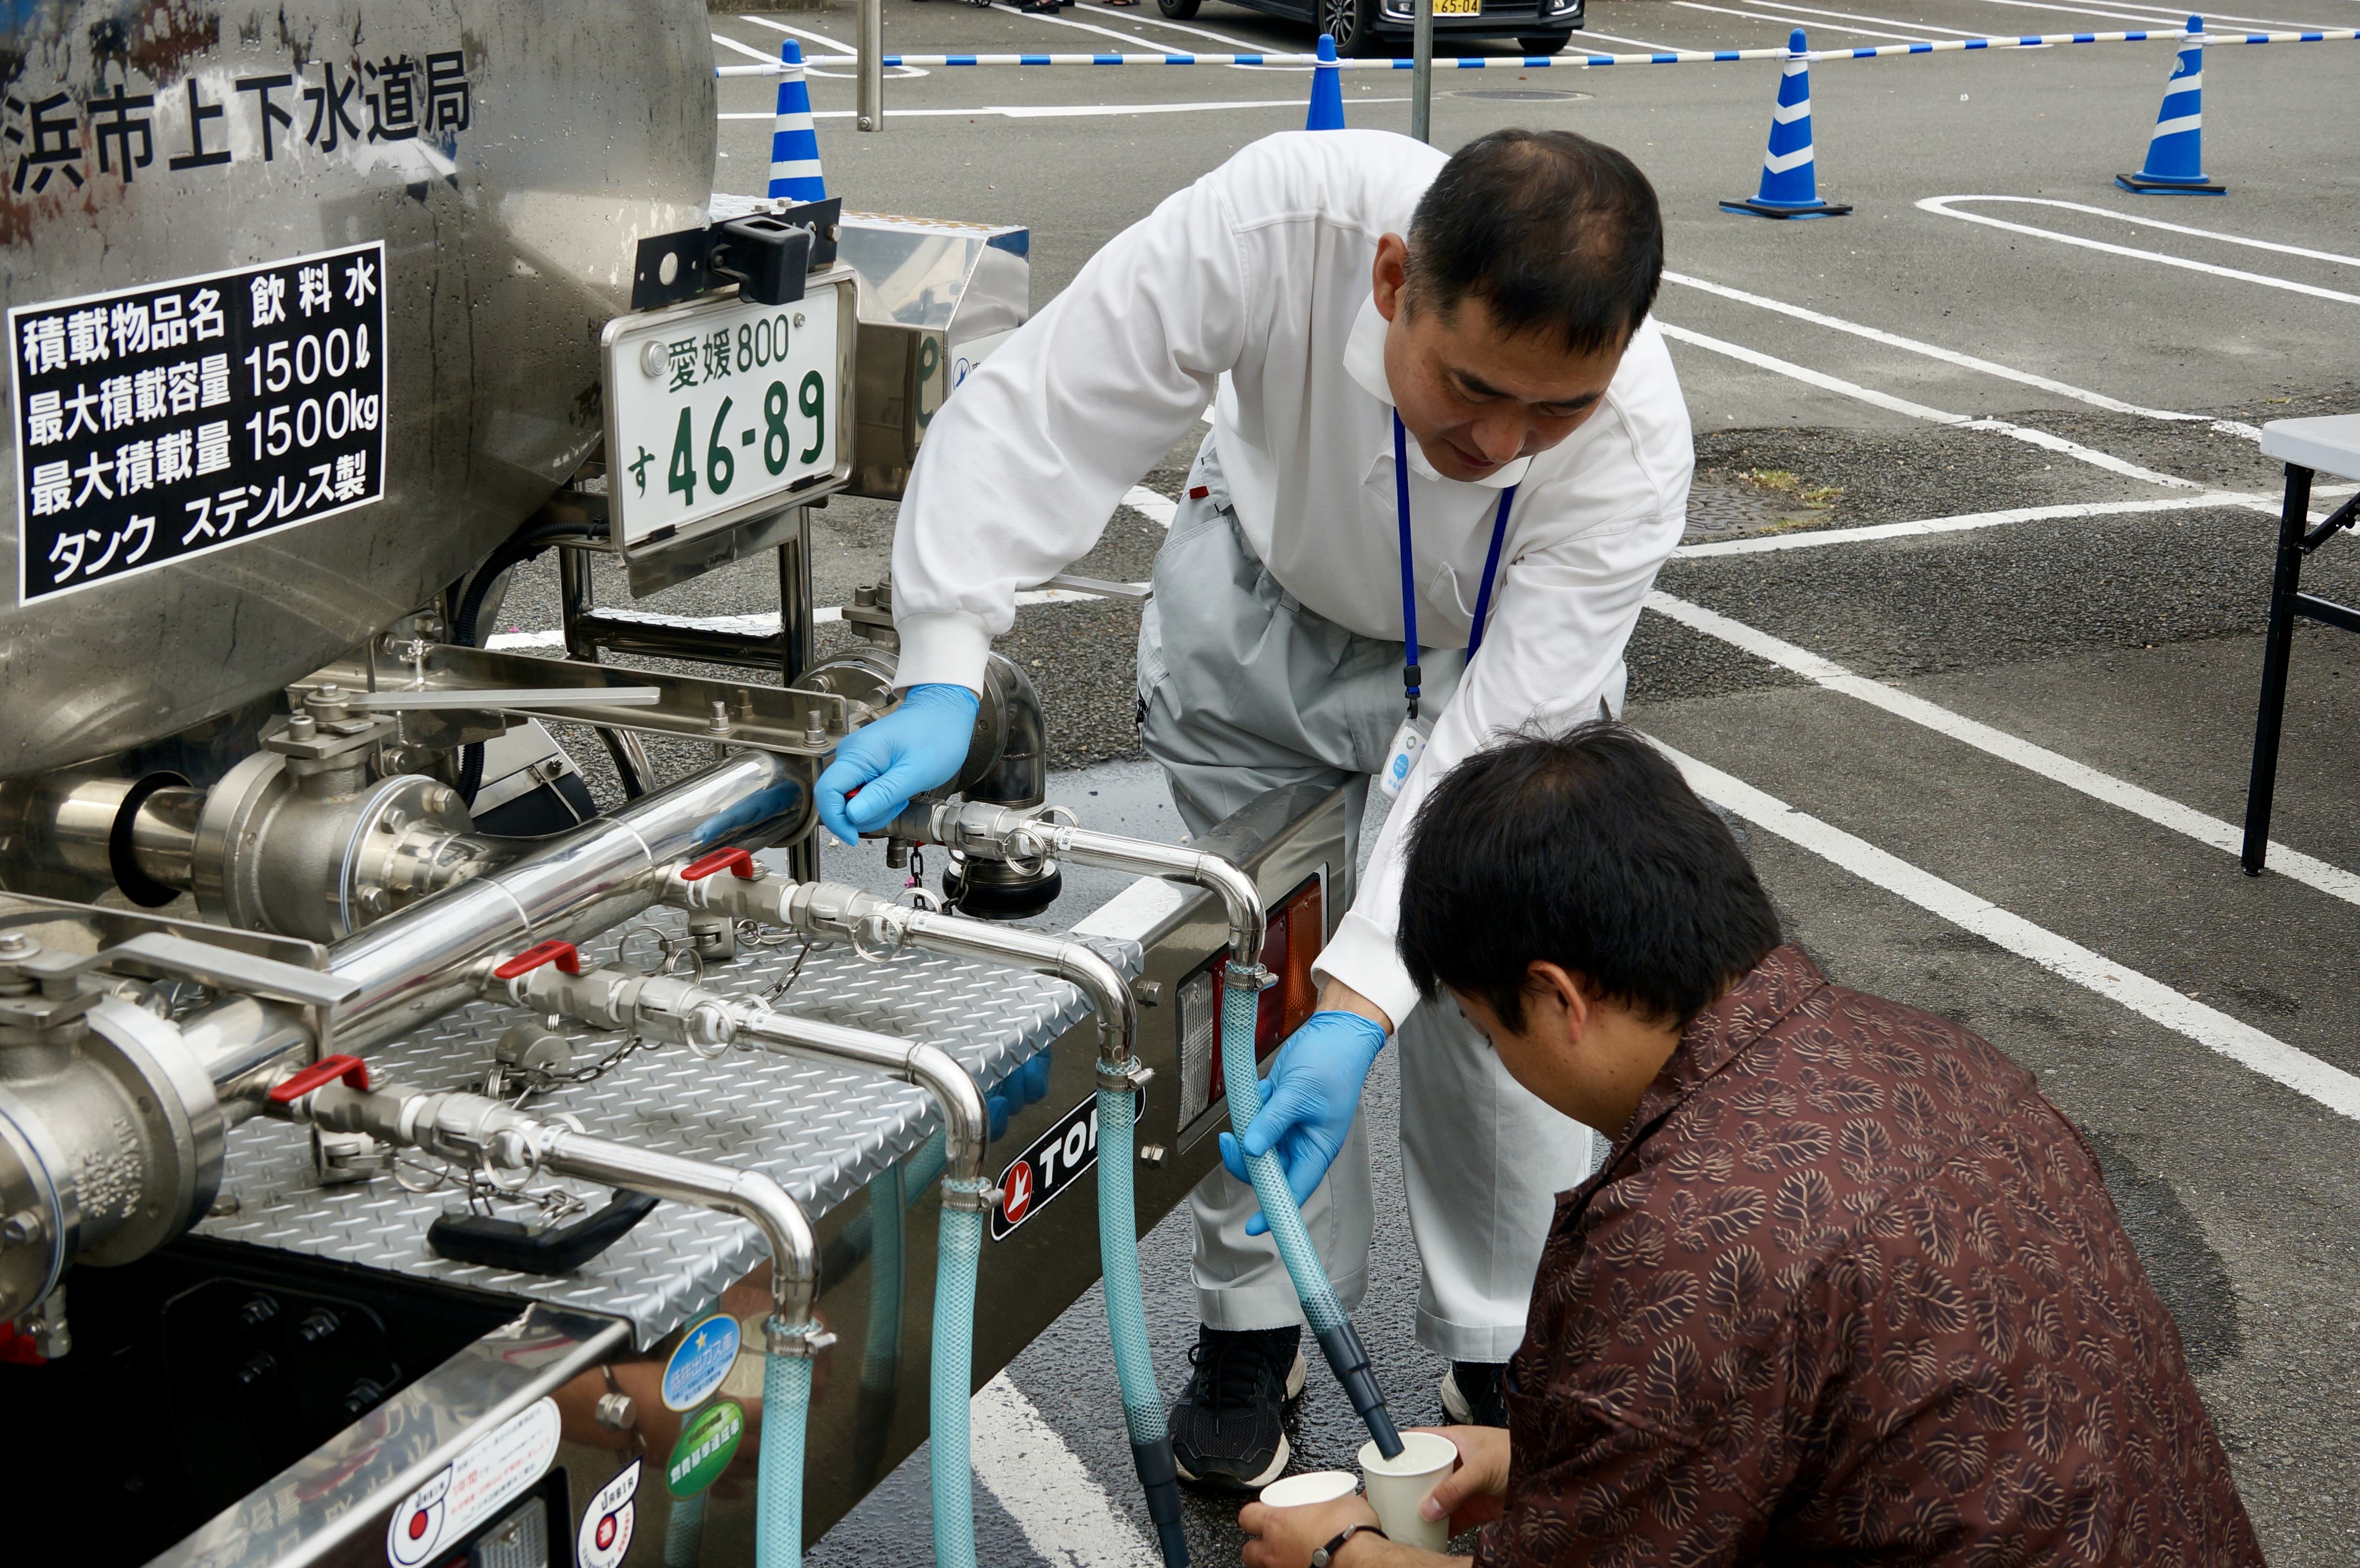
(1848, 1288)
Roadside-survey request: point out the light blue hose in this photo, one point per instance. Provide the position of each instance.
(1134, 1367)
(879, 1361)
(1239, 1076)
(778, 1511)
(1338, 1340)
(1143, 1407)
(959, 1251)
(684, 1531)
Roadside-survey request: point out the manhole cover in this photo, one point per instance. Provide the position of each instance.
(1516, 95)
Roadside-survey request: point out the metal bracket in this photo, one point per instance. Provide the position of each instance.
(748, 251)
(784, 719)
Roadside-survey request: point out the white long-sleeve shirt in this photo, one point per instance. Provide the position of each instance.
(1255, 282)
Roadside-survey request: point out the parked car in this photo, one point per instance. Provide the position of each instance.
(1363, 28)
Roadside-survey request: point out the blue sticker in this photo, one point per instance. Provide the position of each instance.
(703, 1360)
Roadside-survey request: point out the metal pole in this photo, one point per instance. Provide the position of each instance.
(1421, 80)
(870, 103)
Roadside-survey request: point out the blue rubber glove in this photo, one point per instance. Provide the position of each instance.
(1308, 1102)
(910, 750)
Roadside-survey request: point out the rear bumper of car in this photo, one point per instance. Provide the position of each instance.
(1397, 19)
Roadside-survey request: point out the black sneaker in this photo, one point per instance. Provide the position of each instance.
(1225, 1428)
(1474, 1394)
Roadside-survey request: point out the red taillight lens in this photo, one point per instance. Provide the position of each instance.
(1296, 932)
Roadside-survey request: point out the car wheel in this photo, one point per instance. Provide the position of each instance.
(1178, 10)
(1543, 43)
(1353, 25)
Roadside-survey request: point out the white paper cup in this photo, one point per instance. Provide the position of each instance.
(1396, 1487)
(1312, 1486)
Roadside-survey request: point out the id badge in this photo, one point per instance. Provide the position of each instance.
(1400, 757)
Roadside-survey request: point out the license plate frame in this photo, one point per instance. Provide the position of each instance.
(651, 504)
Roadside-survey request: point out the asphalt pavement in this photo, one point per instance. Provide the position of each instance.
(2041, 715)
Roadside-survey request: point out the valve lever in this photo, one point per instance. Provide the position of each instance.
(738, 863)
(321, 1073)
(562, 953)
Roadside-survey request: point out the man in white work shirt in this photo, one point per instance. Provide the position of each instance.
(1325, 282)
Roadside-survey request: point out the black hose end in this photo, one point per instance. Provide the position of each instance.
(1349, 1361)
(1158, 1477)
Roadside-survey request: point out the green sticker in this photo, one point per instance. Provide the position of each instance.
(707, 1444)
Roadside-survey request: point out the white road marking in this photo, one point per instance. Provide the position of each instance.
(2041, 439)
(1952, 356)
(1768, 544)
(2332, 880)
(1240, 45)
(834, 43)
(1789, 21)
(727, 42)
(1160, 509)
(2241, 1042)
(2267, 280)
(1783, 7)
(1642, 43)
(1066, 1517)
(2165, 20)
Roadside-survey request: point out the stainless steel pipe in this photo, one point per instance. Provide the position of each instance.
(467, 1127)
(432, 956)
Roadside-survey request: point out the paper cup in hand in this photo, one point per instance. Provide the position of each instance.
(1397, 1485)
(1314, 1486)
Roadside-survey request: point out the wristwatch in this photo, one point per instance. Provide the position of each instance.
(1326, 1554)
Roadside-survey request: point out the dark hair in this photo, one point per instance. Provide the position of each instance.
(1586, 850)
(1554, 232)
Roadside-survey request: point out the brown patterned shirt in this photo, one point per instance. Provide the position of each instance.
(1851, 1290)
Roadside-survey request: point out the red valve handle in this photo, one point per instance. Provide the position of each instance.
(326, 1071)
(562, 954)
(738, 863)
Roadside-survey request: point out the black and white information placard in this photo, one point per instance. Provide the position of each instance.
(158, 423)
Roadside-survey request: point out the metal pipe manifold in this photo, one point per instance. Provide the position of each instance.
(1005, 833)
(879, 927)
(549, 978)
(334, 1094)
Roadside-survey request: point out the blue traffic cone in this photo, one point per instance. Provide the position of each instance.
(2175, 154)
(1790, 185)
(794, 143)
(1326, 89)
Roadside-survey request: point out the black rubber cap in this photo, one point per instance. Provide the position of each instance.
(1349, 1361)
(1158, 1477)
(1002, 901)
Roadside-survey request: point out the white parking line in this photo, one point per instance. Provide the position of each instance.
(2164, 18)
(2241, 1042)
(1159, 509)
(2332, 880)
(1783, 7)
(1952, 356)
(1939, 205)
(1815, 539)
(1789, 21)
(1810, 377)
(1066, 1517)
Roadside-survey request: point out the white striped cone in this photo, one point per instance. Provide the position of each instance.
(795, 140)
(2175, 153)
(1789, 178)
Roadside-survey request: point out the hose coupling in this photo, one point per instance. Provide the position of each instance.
(975, 1196)
(1118, 1076)
(1253, 977)
(804, 1341)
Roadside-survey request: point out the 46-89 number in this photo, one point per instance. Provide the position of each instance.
(721, 464)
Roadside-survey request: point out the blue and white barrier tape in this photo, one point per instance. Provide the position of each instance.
(1529, 62)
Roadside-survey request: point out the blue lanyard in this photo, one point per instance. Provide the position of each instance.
(1410, 674)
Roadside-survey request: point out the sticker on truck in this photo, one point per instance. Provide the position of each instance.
(1054, 1162)
(162, 422)
(490, 1472)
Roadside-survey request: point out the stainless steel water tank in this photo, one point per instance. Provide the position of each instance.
(497, 161)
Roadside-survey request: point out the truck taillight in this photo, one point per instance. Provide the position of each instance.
(1296, 932)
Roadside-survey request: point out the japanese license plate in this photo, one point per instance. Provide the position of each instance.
(724, 409)
(1457, 7)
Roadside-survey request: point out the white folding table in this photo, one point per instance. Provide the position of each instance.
(2308, 447)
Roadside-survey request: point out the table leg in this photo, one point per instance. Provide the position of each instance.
(2276, 648)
